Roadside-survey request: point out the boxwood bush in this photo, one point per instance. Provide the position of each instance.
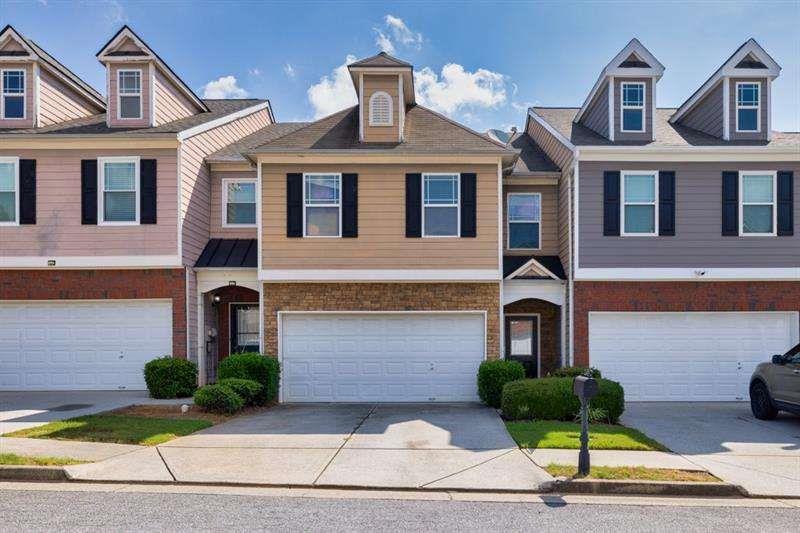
(169, 377)
(493, 375)
(218, 399)
(572, 371)
(256, 367)
(247, 389)
(552, 399)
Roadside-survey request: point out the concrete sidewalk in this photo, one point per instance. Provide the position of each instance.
(82, 451)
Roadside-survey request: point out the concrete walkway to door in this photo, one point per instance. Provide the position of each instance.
(433, 446)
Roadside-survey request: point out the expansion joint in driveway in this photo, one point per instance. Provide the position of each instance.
(344, 442)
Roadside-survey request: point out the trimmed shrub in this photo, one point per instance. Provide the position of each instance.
(572, 371)
(255, 367)
(169, 377)
(552, 399)
(218, 399)
(247, 389)
(493, 375)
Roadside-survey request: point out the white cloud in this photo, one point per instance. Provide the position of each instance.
(458, 89)
(223, 87)
(403, 33)
(522, 106)
(333, 92)
(383, 42)
(289, 70)
(255, 71)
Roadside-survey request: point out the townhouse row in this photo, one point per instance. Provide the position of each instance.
(383, 252)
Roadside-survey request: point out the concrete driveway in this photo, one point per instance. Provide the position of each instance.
(724, 438)
(441, 446)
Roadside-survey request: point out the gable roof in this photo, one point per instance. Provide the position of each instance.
(233, 152)
(56, 67)
(533, 267)
(731, 67)
(532, 159)
(380, 60)
(622, 65)
(125, 32)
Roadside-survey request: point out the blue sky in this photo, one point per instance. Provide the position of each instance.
(481, 63)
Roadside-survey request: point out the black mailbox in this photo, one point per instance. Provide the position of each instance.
(584, 387)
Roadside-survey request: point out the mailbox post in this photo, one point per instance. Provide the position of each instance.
(585, 388)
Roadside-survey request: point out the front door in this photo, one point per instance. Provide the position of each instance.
(522, 342)
(244, 328)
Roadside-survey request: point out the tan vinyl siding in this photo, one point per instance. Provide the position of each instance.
(30, 111)
(549, 219)
(217, 209)
(381, 242)
(765, 109)
(707, 114)
(596, 117)
(113, 94)
(388, 84)
(59, 103)
(170, 103)
(647, 135)
(58, 230)
(196, 182)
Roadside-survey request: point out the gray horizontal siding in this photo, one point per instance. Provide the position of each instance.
(596, 117)
(707, 114)
(698, 241)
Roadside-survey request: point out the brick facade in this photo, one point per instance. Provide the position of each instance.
(549, 330)
(674, 297)
(103, 285)
(382, 297)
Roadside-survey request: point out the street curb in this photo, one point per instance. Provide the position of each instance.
(648, 488)
(32, 473)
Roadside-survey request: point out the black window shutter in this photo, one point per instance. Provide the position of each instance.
(27, 196)
(413, 205)
(730, 203)
(785, 203)
(666, 203)
(350, 205)
(469, 195)
(294, 205)
(147, 196)
(611, 199)
(89, 191)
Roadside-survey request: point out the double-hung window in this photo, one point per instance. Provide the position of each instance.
(748, 111)
(239, 202)
(118, 190)
(13, 104)
(632, 107)
(129, 87)
(639, 203)
(524, 220)
(440, 205)
(9, 190)
(322, 205)
(757, 207)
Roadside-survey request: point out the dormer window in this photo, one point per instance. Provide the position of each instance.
(632, 107)
(380, 109)
(748, 109)
(129, 83)
(13, 102)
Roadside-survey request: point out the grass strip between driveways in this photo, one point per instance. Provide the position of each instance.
(24, 460)
(144, 431)
(566, 436)
(633, 473)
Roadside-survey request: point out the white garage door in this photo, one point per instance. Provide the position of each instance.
(687, 356)
(376, 357)
(81, 345)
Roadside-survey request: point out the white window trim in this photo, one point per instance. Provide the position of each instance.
(623, 203)
(458, 204)
(623, 107)
(225, 183)
(24, 94)
(101, 169)
(774, 204)
(139, 94)
(14, 161)
(757, 108)
(391, 110)
(337, 205)
(509, 222)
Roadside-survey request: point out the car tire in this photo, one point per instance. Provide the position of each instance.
(761, 403)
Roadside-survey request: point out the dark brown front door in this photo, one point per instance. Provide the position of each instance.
(522, 342)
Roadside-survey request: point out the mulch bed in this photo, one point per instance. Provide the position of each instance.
(194, 412)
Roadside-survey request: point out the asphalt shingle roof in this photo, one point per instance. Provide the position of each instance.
(531, 158)
(233, 152)
(380, 60)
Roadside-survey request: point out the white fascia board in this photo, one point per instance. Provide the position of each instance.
(367, 275)
(687, 274)
(551, 130)
(94, 261)
(691, 153)
(221, 121)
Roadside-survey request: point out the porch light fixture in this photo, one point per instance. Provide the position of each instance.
(232, 283)
(217, 298)
(51, 262)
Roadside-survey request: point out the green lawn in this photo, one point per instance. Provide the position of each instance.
(14, 459)
(566, 435)
(632, 472)
(119, 429)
